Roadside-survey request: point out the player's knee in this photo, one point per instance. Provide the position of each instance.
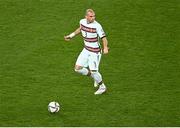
(77, 68)
(94, 72)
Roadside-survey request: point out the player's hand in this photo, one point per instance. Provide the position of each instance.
(105, 50)
(67, 38)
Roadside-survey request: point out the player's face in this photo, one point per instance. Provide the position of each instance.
(90, 17)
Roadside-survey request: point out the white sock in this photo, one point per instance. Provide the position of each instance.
(83, 71)
(96, 76)
(102, 86)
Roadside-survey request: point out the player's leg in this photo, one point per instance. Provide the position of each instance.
(81, 63)
(82, 70)
(98, 79)
(94, 60)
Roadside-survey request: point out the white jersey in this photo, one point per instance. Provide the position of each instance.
(91, 33)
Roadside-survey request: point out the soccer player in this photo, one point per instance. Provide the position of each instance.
(88, 61)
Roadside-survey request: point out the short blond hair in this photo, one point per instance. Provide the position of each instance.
(89, 10)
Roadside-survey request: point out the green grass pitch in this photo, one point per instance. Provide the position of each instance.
(142, 70)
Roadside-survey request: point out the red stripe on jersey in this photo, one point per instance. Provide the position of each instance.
(91, 39)
(96, 50)
(87, 29)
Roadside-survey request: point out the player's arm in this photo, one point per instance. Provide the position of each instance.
(70, 36)
(105, 45)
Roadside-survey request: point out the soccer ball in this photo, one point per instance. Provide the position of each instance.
(53, 107)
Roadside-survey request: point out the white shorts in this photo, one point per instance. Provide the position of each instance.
(89, 59)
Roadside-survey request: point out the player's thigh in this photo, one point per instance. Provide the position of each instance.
(94, 60)
(82, 59)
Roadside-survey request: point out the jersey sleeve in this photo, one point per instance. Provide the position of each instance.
(80, 22)
(100, 31)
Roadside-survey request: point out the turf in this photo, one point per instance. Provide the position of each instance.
(141, 71)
